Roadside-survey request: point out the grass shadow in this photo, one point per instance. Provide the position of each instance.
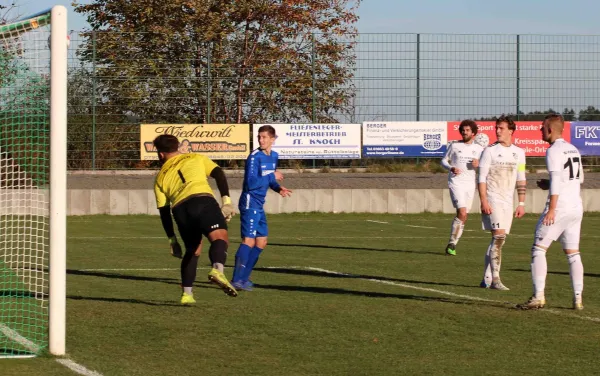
(368, 294)
(593, 275)
(125, 300)
(357, 248)
(122, 276)
(317, 273)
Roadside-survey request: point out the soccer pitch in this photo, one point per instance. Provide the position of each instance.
(336, 294)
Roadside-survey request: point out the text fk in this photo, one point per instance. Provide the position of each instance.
(587, 132)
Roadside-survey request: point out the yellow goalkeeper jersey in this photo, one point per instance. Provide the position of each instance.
(182, 176)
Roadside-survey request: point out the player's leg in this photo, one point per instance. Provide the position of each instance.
(213, 225)
(457, 196)
(249, 219)
(570, 243)
(543, 238)
(456, 230)
(462, 199)
(499, 223)
(498, 239)
(566, 230)
(192, 241)
(486, 224)
(262, 231)
(539, 270)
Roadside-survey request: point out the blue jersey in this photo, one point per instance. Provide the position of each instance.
(258, 178)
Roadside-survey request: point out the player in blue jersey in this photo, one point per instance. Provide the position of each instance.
(260, 175)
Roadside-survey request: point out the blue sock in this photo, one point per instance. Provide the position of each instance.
(241, 262)
(252, 259)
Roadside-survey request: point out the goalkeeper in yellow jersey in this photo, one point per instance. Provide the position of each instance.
(181, 187)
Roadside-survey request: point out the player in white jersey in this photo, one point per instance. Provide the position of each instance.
(562, 216)
(502, 165)
(461, 160)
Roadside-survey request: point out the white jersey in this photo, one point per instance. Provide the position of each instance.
(500, 168)
(461, 155)
(564, 158)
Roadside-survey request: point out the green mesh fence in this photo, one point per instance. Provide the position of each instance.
(24, 179)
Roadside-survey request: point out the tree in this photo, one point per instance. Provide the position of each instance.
(223, 61)
(95, 134)
(591, 113)
(8, 13)
(534, 115)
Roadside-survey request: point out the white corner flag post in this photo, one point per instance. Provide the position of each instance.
(58, 180)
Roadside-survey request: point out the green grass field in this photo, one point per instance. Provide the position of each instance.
(336, 295)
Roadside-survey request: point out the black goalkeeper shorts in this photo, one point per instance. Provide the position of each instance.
(197, 216)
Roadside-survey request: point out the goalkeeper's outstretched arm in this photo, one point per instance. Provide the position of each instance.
(221, 180)
(167, 221)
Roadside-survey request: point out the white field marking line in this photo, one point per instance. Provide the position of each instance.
(420, 226)
(443, 292)
(77, 368)
(15, 336)
(370, 220)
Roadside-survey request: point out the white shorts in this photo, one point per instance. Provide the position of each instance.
(566, 228)
(462, 196)
(500, 219)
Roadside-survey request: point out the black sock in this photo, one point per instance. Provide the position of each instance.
(218, 252)
(189, 264)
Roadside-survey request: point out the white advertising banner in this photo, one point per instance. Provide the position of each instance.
(315, 141)
(404, 138)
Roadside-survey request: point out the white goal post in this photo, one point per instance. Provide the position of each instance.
(33, 194)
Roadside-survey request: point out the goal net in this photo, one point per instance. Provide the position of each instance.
(32, 109)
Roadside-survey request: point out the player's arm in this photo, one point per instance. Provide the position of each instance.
(555, 167)
(217, 173)
(167, 222)
(475, 161)
(580, 170)
(274, 184)
(446, 160)
(521, 185)
(484, 169)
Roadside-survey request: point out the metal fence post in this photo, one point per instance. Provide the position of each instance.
(314, 84)
(208, 84)
(518, 75)
(93, 100)
(418, 98)
(418, 77)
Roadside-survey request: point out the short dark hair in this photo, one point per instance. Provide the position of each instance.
(267, 128)
(508, 120)
(554, 117)
(468, 123)
(166, 143)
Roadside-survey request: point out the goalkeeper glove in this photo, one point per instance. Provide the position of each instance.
(175, 247)
(227, 208)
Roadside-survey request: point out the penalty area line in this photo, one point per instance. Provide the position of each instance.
(77, 368)
(18, 338)
(35, 349)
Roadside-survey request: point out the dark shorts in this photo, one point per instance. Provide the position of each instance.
(197, 216)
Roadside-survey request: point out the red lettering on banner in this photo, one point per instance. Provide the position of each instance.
(527, 136)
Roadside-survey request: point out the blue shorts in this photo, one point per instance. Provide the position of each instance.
(253, 223)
